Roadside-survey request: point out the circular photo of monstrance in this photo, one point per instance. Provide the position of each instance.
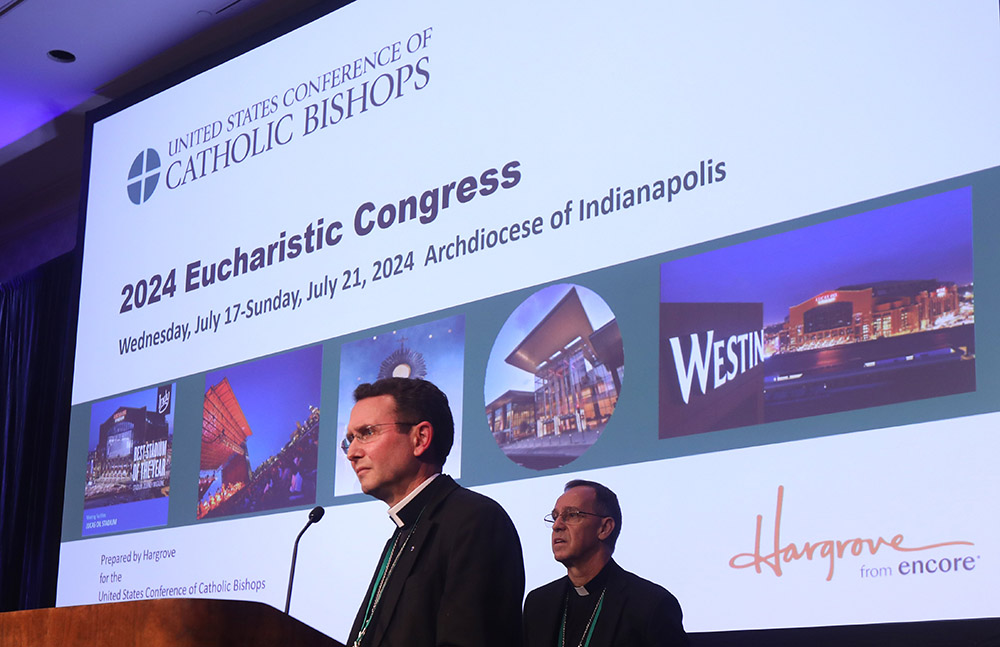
(553, 377)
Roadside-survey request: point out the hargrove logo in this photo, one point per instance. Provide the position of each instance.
(143, 176)
(835, 549)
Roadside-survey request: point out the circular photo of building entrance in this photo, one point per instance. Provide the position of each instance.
(553, 377)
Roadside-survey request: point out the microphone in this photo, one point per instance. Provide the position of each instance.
(314, 516)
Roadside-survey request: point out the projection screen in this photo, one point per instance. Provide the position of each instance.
(732, 261)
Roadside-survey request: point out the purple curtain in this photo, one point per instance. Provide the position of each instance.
(37, 329)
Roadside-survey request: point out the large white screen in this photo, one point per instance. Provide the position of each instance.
(817, 178)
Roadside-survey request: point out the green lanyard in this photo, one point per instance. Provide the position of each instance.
(588, 631)
(376, 593)
(384, 571)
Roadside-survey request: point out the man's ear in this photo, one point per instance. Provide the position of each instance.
(607, 527)
(421, 436)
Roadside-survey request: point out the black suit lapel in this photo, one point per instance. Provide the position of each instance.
(427, 501)
(611, 609)
(360, 618)
(549, 614)
(394, 587)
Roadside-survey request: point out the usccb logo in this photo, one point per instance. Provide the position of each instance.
(143, 176)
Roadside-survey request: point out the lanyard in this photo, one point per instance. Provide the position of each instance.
(588, 631)
(384, 571)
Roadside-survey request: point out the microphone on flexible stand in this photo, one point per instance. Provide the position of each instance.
(314, 516)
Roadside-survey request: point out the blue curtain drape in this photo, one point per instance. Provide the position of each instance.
(37, 329)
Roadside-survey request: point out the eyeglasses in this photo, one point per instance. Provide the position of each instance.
(367, 433)
(570, 516)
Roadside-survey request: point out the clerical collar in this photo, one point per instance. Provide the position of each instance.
(396, 512)
(596, 583)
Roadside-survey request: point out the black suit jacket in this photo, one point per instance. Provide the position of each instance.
(635, 613)
(459, 580)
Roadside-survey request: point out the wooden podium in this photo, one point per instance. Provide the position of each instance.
(176, 622)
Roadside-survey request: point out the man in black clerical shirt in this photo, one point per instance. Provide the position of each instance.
(598, 603)
(452, 572)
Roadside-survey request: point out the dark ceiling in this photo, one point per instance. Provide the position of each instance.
(120, 46)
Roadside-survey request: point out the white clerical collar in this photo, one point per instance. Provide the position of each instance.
(396, 509)
(597, 583)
